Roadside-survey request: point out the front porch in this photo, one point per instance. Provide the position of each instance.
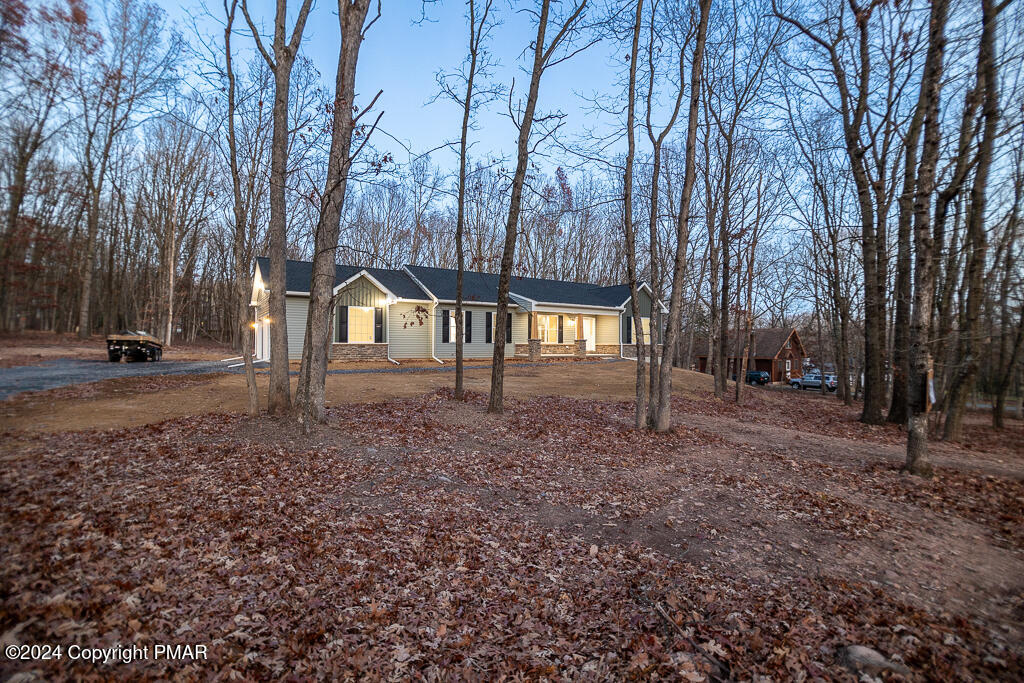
(569, 333)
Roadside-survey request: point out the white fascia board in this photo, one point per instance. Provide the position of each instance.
(524, 302)
(580, 309)
(291, 293)
(643, 285)
(511, 304)
(257, 287)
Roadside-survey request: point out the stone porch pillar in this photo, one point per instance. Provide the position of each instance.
(533, 341)
(581, 342)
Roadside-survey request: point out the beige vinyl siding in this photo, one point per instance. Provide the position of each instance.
(263, 304)
(409, 338)
(607, 329)
(362, 292)
(478, 348)
(520, 328)
(297, 308)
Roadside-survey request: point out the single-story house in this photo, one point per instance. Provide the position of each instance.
(775, 350)
(407, 313)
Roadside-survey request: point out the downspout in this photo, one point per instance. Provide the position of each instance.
(387, 331)
(433, 332)
(433, 312)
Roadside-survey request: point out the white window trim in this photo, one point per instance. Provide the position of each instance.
(554, 330)
(451, 326)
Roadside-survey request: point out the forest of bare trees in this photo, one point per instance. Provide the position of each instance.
(852, 168)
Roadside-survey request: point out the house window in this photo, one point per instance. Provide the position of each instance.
(645, 325)
(360, 325)
(547, 329)
(467, 327)
(569, 329)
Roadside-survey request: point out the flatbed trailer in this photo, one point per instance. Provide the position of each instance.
(133, 346)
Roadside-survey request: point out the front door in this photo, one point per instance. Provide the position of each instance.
(590, 332)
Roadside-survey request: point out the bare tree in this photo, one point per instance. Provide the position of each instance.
(657, 143)
(663, 421)
(868, 140)
(133, 68)
(476, 64)
(246, 319)
(284, 50)
(629, 231)
(918, 388)
(41, 72)
(976, 240)
(352, 18)
(545, 55)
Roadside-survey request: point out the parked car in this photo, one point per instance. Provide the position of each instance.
(756, 377)
(812, 380)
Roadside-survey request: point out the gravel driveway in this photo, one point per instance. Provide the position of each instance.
(64, 371)
(61, 372)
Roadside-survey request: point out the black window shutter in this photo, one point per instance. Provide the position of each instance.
(378, 325)
(343, 324)
(629, 329)
(561, 323)
(469, 327)
(488, 324)
(508, 330)
(444, 326)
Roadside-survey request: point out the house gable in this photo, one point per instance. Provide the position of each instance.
(360, 290)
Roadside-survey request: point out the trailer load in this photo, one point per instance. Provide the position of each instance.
(133, 345)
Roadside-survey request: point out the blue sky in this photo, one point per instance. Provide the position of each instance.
(403, 54)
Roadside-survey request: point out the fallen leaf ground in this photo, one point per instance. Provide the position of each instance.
(421, 537)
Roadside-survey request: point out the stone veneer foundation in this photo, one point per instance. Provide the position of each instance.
(359, 351)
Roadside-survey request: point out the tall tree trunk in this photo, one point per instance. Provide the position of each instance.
(475, 38)
(280, 63)
(640, 406)
(918, 386)
(541, 56)
(316, 347)
(246, 313)
(657, 291)
(664, 418)
(976, 237)
(88, 255)
(901, 341)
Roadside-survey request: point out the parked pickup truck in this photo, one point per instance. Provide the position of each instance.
(812, 380)
(133, 345)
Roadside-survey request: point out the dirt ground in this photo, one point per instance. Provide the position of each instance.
(31, 348)
(130, 402)
(416, 535)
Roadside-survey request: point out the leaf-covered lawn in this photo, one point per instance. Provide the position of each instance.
(422, 537)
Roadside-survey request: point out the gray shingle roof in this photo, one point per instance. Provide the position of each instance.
(299, 273)
(482, 287)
